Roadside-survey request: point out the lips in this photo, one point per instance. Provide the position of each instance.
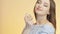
(39, 9)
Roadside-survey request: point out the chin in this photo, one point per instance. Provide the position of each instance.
(40, 13)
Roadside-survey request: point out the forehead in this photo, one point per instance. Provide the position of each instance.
(46, 1)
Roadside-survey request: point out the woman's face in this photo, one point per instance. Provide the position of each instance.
(42, 7)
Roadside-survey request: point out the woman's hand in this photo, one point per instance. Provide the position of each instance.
(29, 22)
(28, 19)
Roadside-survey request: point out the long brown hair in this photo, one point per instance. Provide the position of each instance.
(52, 16)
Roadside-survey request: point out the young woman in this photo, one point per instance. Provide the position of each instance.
(44, 11)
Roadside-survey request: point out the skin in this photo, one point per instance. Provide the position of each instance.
(41, 10)
(42, 7)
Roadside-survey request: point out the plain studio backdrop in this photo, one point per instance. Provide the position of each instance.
(12, 15)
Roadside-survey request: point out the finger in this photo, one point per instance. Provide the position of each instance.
(28, 16)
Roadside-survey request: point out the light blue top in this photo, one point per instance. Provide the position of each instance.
(42, 29)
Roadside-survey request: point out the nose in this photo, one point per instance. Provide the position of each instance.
(39, 6)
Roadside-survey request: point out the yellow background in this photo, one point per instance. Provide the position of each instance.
(12, 15)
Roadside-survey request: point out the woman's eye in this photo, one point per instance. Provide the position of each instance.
(38, 2)
(46, 5)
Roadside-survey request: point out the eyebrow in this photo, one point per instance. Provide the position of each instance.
(39, 0)
(46, 3)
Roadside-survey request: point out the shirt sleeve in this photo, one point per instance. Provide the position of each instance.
(46, 29)
(49, 29)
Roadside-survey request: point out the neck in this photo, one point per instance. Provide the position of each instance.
(42, 19)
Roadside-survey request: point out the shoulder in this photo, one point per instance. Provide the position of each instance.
(49, 27)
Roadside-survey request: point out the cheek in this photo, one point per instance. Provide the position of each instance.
(46, 8)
